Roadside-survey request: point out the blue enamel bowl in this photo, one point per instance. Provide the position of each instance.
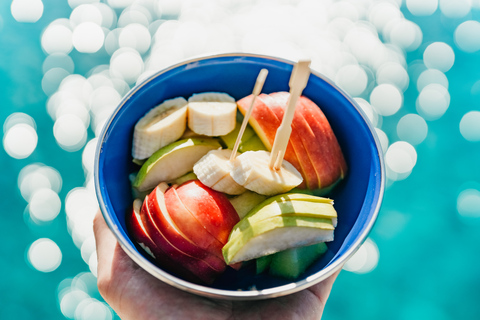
(357, 198)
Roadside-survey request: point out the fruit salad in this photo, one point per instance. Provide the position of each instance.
(201, 207)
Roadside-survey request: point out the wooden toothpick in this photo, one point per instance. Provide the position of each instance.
(298, 82)
(256, 91)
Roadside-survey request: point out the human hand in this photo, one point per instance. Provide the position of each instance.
(135, 294)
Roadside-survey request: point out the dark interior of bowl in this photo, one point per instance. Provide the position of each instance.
(356, 197)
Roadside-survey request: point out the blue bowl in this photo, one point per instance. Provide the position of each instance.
(357, 198)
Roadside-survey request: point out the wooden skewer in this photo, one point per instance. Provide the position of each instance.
(298, 82)
(256, 91)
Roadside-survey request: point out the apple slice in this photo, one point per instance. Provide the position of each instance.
(164, 224)
(186, 177)
(139, 232)
(265, 123)
(143, 239)
(252, 144)
(294, 208)
(246, 202)
(299, 147)
(275, 234)
(189, 225)
(211, 208)
(331, 164)
(229, 139)
(181, 260)
(292, 262)
(172, 161)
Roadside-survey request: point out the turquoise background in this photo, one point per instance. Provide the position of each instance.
(429, 255)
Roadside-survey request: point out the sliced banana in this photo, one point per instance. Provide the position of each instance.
(212, 113)
(213, 170)
(159, 127)
(251, 170)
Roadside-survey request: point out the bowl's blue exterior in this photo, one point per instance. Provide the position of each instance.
(357, 198)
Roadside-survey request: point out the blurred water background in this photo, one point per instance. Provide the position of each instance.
(412, 65)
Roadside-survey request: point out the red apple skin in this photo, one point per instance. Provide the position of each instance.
(334, 164)
(161, 228)
(190, 226)
(140, 235)
(265, 123)
(278, 103)
(211, 208)
(139, 232)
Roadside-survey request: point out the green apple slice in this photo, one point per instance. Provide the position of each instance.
(285, 197)
(282, 207)
(252, 144)
(230, 138)
(246, 201)
(276, 234)
(186, 177)
(172, 161)
(292, 262)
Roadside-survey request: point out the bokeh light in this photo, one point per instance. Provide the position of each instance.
(44, 255)
(70, 132)
(88, 37)
(433, 101)
(353, 79)
(400, 159)
(20, 141)
(57, 38)
(365, 259)
(422, 7)
(135, 36)
(455, 8)
(393, 73)
(470, 126)
(58, 60)
(44, 205)
(86, 13)
(468, 203)
(466, 36)
(127, 64)
(439, 55)
(38, 176)
(27, 10)
(412, 128)
(430, 76)
(386, 99)
(404, 34)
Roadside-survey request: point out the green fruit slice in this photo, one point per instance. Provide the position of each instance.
(288, 208)
(172, 161)
(292, 262)
(246, 201)
(275, 234)
(263, 263)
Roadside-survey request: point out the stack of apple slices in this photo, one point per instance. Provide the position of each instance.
(279, 223)
(312, 149)
(184, 229)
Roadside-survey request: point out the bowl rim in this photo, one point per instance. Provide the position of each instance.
(215, 293)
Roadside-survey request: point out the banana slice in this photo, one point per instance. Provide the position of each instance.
(213, 170)
(252, 170)
(212, 113)
(159, 127)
